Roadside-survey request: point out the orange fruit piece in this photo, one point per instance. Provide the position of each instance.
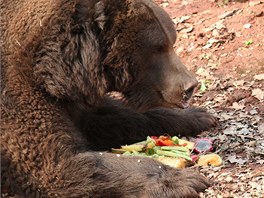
(209, 159)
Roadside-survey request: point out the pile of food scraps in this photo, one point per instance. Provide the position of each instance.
(173, 151)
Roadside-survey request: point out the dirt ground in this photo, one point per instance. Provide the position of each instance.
(223, 43)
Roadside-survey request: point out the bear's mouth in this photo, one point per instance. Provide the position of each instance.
(182, 104)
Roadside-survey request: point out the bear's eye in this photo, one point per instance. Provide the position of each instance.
(160, 48)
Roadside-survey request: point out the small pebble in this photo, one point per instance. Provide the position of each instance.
(247, 26)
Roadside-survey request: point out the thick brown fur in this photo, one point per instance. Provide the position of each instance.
(59, 60)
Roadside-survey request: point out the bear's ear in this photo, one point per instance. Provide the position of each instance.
(90, 11)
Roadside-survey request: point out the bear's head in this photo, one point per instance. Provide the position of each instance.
(141, 58)
(120, 45)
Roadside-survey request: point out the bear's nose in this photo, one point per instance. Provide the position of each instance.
(189, 88)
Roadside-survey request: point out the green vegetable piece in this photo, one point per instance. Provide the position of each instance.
(150, 151)
(249, 42)
(118, 151)
(175, 139)
(155, 148)
(155, 156)
(133, 147)
(177, 148)
(135, 152)
(203, 86)
(140, 143)
(150, 144)
(149, 139)
(143, 155)
(173, 154)
(180, 152)
(127, 153)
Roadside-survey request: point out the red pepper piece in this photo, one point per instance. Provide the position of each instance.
(154, 137)
(184, 144)
(164, 137)
(167, 142)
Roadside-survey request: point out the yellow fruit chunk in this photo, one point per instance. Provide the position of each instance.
(209, 159)
(173, 162)
(189, 145)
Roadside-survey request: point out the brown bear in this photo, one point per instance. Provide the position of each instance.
(59, 60)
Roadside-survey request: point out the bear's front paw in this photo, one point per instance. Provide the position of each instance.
(175, 183)
(201, 120)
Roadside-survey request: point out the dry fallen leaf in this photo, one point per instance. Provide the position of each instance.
(230, 130)
(233, 159)
(254, 3)
(258, 93)
(228, 13)
(181, 19)
(261, 127)
(219, 25)
(259, 77)
(238, 106)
